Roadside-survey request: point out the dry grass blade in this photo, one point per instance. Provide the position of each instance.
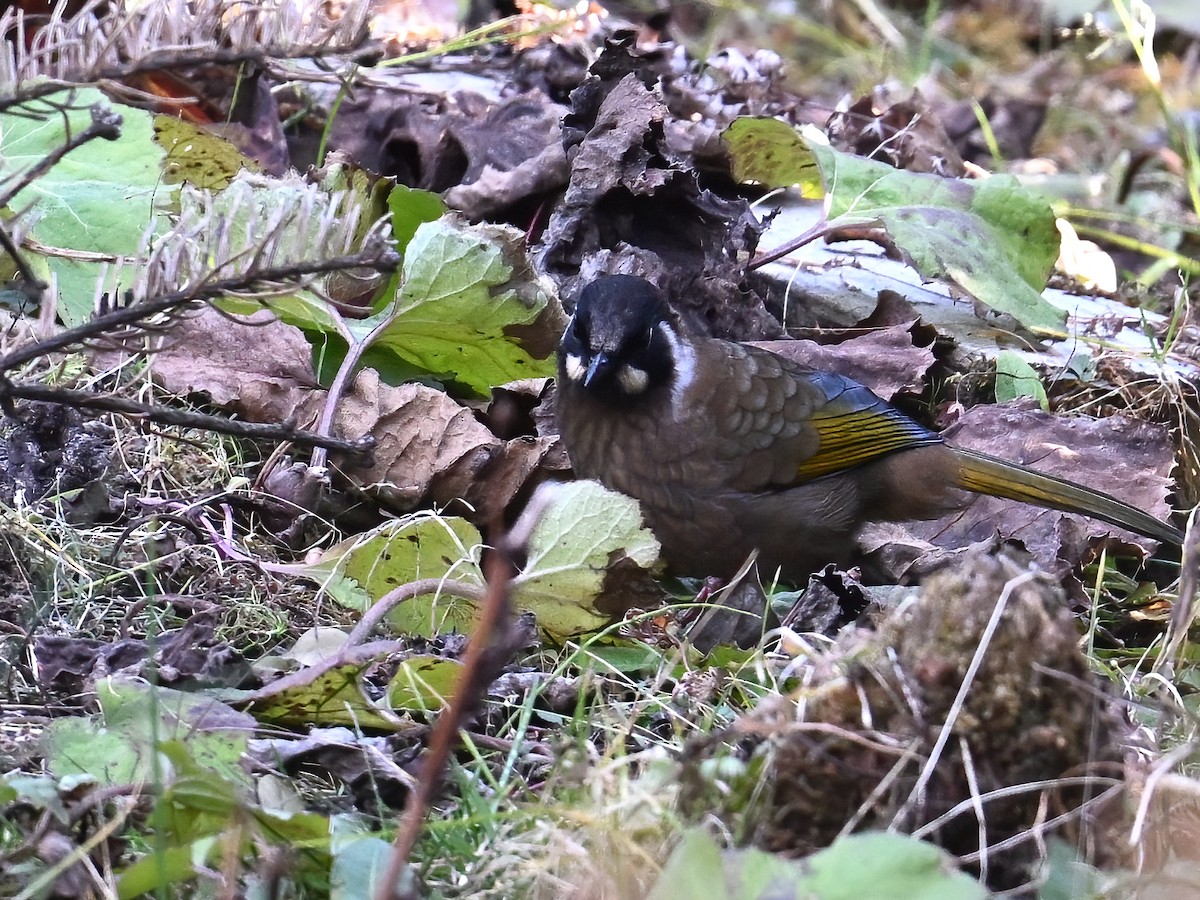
(105, 41)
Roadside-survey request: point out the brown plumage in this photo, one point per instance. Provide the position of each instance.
(730, 447)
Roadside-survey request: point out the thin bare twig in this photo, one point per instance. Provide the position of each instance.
(817, 231)
(183, 418)
(973, 803)
(393, 598)
(342, 380)
(491, 645)
(1034, 834)
(1162, 768)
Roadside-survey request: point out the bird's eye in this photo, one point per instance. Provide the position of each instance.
(579, 329)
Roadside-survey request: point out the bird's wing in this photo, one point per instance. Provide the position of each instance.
(778, 424)
(855, 426)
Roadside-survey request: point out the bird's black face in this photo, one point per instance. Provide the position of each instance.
(620, 343)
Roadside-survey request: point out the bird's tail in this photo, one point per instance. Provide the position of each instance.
(995, 477)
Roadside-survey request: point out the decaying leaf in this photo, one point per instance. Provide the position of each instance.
(771, 153)
(906, 134)
(630, 208)
(262, 370)
(198, 157)
(423, 683)
(421, 546)
(428, 446)
(366, 764)
(327, 693)
(884, 359)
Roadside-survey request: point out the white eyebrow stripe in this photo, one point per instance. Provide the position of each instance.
(683, 360)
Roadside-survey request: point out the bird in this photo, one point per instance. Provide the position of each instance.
(731, 448)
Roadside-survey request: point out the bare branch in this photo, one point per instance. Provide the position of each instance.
(167, 415)
(260, 283)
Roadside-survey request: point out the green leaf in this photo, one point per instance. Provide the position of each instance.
(359, 867)
(624, 657)
(195, 807)
(695, 869)
(1066, 876)
(302, 309)
(886, 867)
(462, 315)
(160, 869)
(76, 746)
(412, 208)
(582, 530)
(99, 199)
(423, 545)
(295, 830)
(139, 720)
(572, 547)
(879, 866)
(1016, 378)
(151, 715)
(770, 152)
(423, 683)
(39, 791)
(992, 238)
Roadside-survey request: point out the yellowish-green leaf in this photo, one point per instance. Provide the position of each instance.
(770, 152)
(424, 683)
(420, 546)
(198, 157)
(330, 696)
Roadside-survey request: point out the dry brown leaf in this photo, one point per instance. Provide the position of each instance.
(885, 360)
(429, 448)
(422, 436)
(261, 370)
